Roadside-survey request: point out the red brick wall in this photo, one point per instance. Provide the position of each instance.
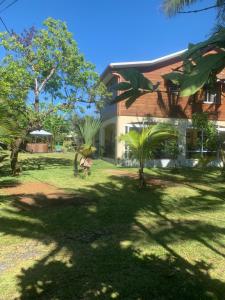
(161, 104)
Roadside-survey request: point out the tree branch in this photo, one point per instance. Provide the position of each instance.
(46, 79)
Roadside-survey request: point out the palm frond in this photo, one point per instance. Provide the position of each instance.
(171, 7)
(88, 129)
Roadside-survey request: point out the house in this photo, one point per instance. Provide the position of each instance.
(162, 106)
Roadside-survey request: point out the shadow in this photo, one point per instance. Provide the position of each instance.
(41, 163)
(6, 183)
(94, 247)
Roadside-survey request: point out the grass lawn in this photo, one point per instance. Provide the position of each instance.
(115, 242)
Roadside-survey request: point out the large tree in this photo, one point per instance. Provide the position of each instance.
(45, 66)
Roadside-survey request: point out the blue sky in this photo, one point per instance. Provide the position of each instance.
(115, 30)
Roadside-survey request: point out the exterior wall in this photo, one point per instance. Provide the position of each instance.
(181, 124)
(162, 105)
(159, 107)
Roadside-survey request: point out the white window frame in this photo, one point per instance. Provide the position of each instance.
(208, 97)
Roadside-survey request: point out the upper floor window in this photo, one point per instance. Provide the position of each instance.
(211, 97)
(173, 88)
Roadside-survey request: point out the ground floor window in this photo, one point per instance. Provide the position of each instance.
(198, 144)
(165, 150)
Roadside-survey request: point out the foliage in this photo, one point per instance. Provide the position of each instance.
(201, 122)
(172, 7)
(58, 126)
(87, 129)
(134, 86)
(43, 72)
(167, 149)
(68, 146)
(143, 143)
(201, 65)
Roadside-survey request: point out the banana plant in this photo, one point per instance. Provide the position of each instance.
(202, 63)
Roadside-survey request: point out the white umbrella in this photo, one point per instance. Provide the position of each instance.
(40, 133)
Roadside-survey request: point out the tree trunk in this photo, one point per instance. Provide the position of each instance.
(14, 156)
(76, 169)
(36, 102)
(142, 182)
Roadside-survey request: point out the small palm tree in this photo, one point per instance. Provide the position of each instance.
(142, 144)
(87, 130)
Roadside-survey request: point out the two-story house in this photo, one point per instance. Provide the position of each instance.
(162, 106)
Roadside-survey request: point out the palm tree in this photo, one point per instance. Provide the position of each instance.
(87, 129)
(172, 7)
(142, 144)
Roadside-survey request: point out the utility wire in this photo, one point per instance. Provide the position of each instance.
(2, 2)
(9, 5)
(6, 28)
(5, 8)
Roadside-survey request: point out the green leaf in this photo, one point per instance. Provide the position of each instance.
(175, 77)
(133, 98)
(199, 76)
(136, 79)
(123, 96)
(122, 86)
(216, 40)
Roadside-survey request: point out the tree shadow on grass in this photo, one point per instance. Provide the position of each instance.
(102, 261)
(41, 163)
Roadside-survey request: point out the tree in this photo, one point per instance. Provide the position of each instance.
(143, 143)
(87, 130)
(58, 126)
(45, 66)
(173, 7)
(12, 128)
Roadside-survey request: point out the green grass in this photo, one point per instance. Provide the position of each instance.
(165, 242)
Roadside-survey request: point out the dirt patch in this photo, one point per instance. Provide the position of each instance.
(150, 180)
(122, 173)
(38, 194)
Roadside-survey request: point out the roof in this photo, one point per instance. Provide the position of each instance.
(146, 63)
(40, 133)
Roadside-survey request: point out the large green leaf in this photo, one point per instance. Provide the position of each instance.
(216, 40)
(199, 76)
(133, 98)
(136, 79)
(122, 86)
(175, 77)
(124, 96)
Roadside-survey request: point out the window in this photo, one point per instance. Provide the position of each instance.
(211, 97)
(166, 149)
(173, 89)
(198, 144)
(128, 128)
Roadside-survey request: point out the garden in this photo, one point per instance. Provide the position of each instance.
(102, 238)
(74, 226)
